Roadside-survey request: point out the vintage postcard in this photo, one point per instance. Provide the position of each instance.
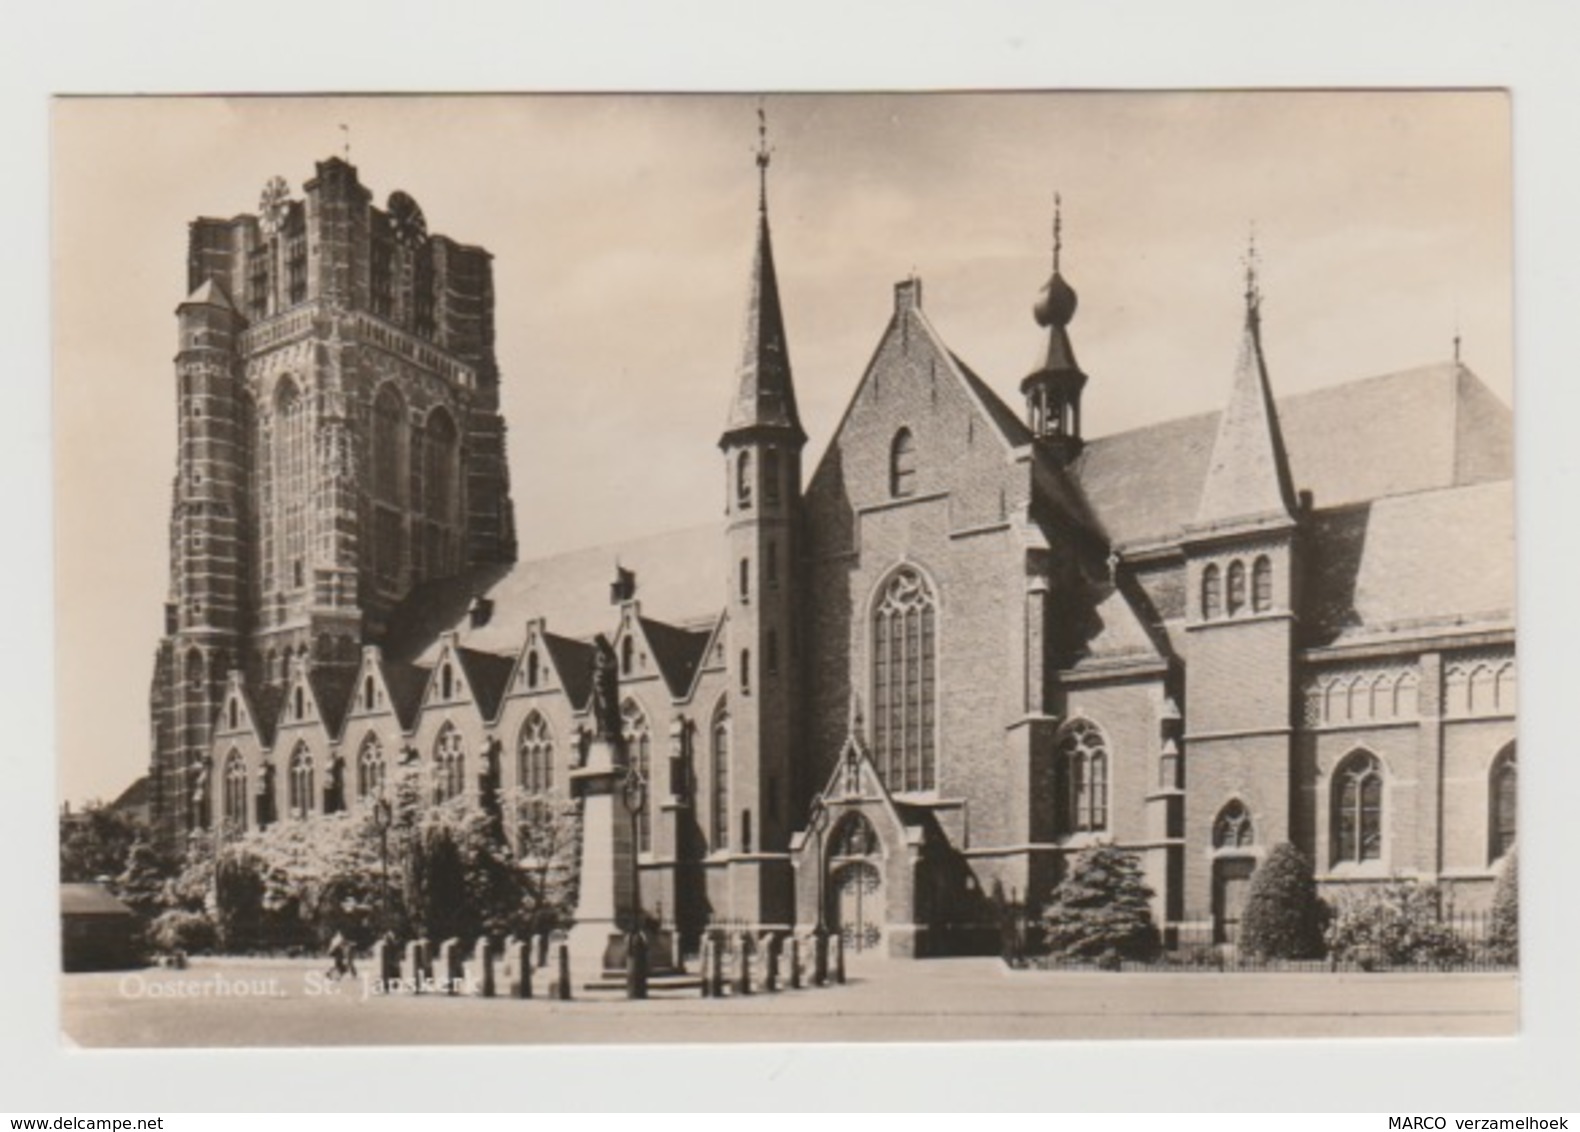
(837, 567)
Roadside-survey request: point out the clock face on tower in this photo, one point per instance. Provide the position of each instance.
(406, 221)
(274, 205)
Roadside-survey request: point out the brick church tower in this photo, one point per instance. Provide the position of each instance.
(762, 445)
(340, 443)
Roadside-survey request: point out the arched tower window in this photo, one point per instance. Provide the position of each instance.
(292, 482)
(902, 465)
(1233, 829)
(440, 480)
(194, 669)
(746, 580)
(1236, 587)
(1211, 592)
(719, 780)
(1262, 585)
(1081, 769)
(389, 481)
(746, 672)
(449, 764)
(771, 476)
(370, 768)
(1503, 797)
(300, 794)
(1357, 808)
(743, 480)
(639, 750)
(236, 790)
(904, 682)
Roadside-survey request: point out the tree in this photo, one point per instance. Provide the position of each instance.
(1398, 923)
(1283, 914)
(1503, 939)
(144, 884)
(95, 842)
(1102, 909)
(548, 840)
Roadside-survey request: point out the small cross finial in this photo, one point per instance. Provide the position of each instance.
(1456, 335)
(764, 156)
(1058, 230)
(345, 132)
(1253, 291)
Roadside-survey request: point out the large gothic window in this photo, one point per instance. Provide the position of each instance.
(389, 481)
(292, 484)
(440, 476)
(449, 764)
(1503, 797)
(639, 750)
(719, 781)
(301, 781)
(904, 682)
(370, 768)
(1081, 767)
(535, 756)
(236, 790)
(902, 465)
(1357, 809)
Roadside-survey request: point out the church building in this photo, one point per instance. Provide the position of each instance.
(883, 691)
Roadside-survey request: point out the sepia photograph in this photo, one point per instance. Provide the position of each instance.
(843, 567)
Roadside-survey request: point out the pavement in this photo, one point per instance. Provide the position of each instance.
(263, 1002)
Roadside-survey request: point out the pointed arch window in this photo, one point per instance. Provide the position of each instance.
(440, 490)
(300, 786)
(1503, 796)
(1357, 809)
(449, 764)
(1211, 592)
(1236, 587)
(719, 781)
(370, 768)
(1081, 766)
(639, 750)
(236, 790)
(743, 480)
(902, 465)
(1233, 829)
(904, 682)
(1262, 585)
(771, 476)
(232, 715)
(389, 481)
(535, 756)
(292, 483)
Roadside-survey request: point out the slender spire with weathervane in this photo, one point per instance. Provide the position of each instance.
(1053, 389)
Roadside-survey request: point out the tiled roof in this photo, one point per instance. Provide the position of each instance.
(677, 651)
(406, 684)
(1248, 474)
(266, 703)
(332, 688)
(1005, 419)
(487, 674)
(1383, 436)
(573, 661)
(88, 899)
(139, 793)
(1411, 563)
(765, 394)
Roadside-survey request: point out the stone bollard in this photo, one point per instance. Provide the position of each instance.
(743, 964)
(715, 972)
(795, 962)
(450, 966)
(381, 963)
(771, 964)
(705, 966)
(518, 968)
(839, 958)
(482, 984)
(418, 968)
(820, 957)
(636, 965)
(562, 983)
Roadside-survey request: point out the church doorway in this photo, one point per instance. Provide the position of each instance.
(1231, 884)
(855, 867)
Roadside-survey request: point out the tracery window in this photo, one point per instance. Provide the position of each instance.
(902, 465)
(1081, 764)
(904, 682)
(535, 765)
(1233, 829)
(449, 764)
(1262, 585)
(1211, 592)
(1504, 801)
(639, 750)
(291, 480)
(440, 482)
(719, 781)
(389, 481)
(1236, 600)
(1357, 809)
(300, 793)
(370, 768)
(236, 790)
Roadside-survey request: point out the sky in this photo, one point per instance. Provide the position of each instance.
(622, 228)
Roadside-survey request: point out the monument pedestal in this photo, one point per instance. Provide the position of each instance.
(606, 900)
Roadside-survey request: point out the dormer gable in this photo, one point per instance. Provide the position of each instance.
(237, 716)
(300, 706)
(466, 676)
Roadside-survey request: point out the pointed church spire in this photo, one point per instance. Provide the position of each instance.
(765, 394)
(1053, 389)
(1248, 478)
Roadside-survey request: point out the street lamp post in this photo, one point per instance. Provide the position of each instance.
(818, 820)
(634, 792)
(383, 815)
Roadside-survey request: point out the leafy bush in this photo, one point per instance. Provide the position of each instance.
(180, 930)
(1398, 923)
(95, 843)
(1283, 915)
(1503, 940)
(1102, 909)
(144, 884)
